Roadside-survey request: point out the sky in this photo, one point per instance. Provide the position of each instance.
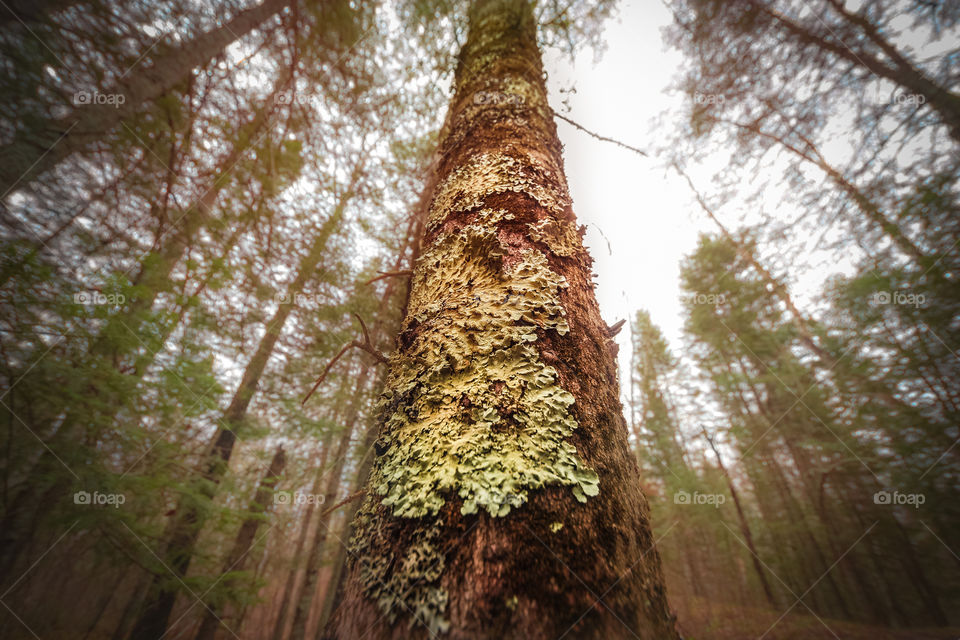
(641, 219)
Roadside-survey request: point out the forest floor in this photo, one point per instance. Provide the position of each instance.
(702, 620)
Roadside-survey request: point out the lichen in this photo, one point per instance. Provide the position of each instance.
(471, 409)
(559, 236)
(405, 583)
(491, 173)
(556, 526)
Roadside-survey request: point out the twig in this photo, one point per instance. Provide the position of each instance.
(389, 274)
(349, 498)
(615, 328)
(600, 137)
(366, 345)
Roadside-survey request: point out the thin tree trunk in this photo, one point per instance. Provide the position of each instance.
(744, 525)
(289, 593)
(900, 72)
(154, 278)
(332, 490)
(34, 152)
(245, 538)
(29, 11)
(185, 528)
(504, 500)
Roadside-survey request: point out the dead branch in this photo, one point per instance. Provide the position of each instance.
(366, 345)
(600, 137)
(349, 498)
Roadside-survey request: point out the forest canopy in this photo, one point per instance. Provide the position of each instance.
(315, 323)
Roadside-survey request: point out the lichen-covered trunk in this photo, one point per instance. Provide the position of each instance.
(504, 502)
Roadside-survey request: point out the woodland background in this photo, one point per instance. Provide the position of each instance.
(176, 276)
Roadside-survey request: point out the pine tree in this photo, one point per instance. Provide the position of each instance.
(504, 500)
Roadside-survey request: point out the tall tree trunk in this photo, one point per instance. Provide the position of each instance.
(504, 500)
(245, 538)
(184, 529)
(32, 152)
(898, 70)
(744, 525)
(332, 490)
(288, 596)
(334, 592)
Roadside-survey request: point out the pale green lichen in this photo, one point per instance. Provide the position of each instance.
(559, 236)
(475, 412)
(556, 526)
(512, 603)
(491, 173)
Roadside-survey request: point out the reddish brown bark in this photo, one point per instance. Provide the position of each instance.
(516, 575)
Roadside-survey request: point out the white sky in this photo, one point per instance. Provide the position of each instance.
(646, 213)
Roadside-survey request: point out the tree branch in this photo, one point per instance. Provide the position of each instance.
(366, 345)
(600, 137)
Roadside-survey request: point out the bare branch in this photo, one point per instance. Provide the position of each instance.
(600, 137)
(366, 345)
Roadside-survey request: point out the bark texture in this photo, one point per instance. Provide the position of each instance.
(504, 502)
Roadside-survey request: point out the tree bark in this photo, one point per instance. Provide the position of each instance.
(504, 501)
(245, 538)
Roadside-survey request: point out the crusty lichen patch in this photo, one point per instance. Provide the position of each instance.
(472, 410)
(403, 583)
(489, 173)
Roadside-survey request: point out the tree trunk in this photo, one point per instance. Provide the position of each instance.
(289, 589)
(154, 277)
(29, 11)
(185, 528)
(504, 500)
(308, 593)
(33, 152)
(744, 525)
(245, 538)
